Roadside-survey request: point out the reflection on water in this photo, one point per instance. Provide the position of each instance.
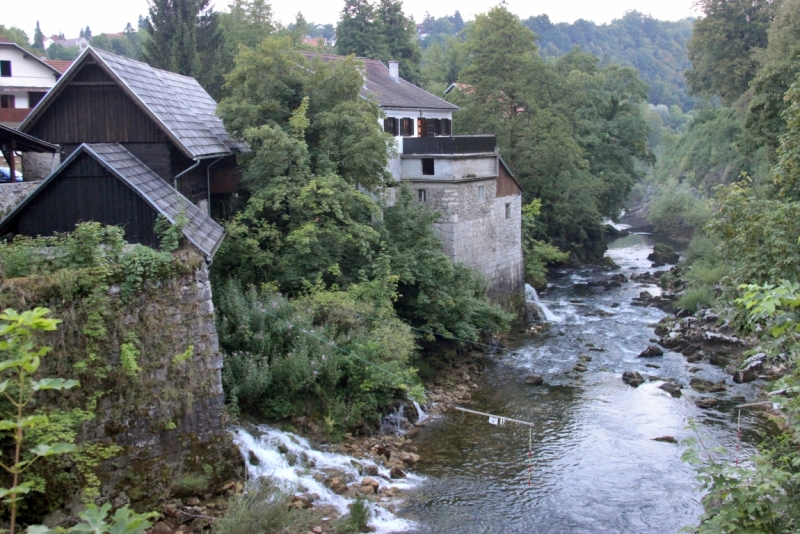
(596, 467)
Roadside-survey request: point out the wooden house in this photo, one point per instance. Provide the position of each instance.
(166, 120)
(106, 183)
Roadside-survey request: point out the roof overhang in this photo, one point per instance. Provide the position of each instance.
(16, 140)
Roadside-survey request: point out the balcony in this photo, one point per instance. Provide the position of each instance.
(456, 144)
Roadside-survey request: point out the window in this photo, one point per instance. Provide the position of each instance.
(407, 128)
(34, 98)
(508, 211)
(422, 127)
(481, 193)
(427, 167)
(7, 101)
(446, 127)
(422, 195)
(5, 68)
(389, 125)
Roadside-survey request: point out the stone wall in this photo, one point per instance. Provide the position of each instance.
(37, 167)
(13, 194)
(168, 418)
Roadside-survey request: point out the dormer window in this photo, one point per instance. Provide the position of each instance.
(5, 69)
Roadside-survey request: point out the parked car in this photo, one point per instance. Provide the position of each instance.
(5, 175)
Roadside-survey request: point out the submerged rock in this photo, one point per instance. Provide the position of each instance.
(580, 368)
(671, 388)
(750, 369)
(396, 472)
(534, 380)
(666, 439)
(707, 386)
(706, 402)
(651, 352)
(632, 378)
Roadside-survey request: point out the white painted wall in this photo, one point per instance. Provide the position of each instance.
(26, 72)
(449, 168)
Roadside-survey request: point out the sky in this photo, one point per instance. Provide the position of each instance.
(109, 16)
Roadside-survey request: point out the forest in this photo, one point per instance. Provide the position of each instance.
(694, 123)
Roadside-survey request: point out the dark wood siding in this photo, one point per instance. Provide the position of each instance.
(94, 109)
(506, 186)
(154, 155)
(194, 184)
(86, 191)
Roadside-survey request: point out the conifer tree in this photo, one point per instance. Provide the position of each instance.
(38, 38)
(400, 37)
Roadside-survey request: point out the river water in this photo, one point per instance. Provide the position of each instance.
(594, 465)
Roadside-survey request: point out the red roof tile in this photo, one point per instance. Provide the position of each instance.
(58, 64)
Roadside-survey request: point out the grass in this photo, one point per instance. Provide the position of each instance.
(191, 484)
(356, 521)
(262, 510)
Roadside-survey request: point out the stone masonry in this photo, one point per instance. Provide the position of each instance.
(13, 194)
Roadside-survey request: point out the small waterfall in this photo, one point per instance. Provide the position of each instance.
(395, 422)
(290, 463)
(421, 415)
(532, 297)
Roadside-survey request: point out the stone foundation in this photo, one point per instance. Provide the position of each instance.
(37, 167)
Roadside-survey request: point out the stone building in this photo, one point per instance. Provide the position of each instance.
(463, 177)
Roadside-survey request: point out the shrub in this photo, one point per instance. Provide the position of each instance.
(259, 510)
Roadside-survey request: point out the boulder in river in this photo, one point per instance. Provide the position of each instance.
(396, 472)
(706, 402)
(663, 255)
(671, 388)
(632, 378)
(651, 352)
(534, 380)
(580, 368)
(750, 369)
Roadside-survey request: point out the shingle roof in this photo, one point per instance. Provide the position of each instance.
(60, 65)
(201, 230)
(24, 142)
(389, 93)
(178, 104)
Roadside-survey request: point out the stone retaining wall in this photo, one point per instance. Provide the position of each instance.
(13, 194)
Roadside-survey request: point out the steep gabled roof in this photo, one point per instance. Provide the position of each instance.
(24, 142)
(201, 230)
(389, 93)
(181, 108)
(29, 55)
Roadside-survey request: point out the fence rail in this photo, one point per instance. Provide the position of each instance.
(456, 144)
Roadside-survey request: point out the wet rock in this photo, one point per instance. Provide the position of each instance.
(534, 380)
(412, 433)
(585, 358)
(707, 386)
(300, 502)
(253, 459)
(336, 485)
(689, 350)
(653, 366)
(706, 402)
(750, 370)
(661, 330)
(283, 449)
(718, 359)
(651, 352)
(696, 357)
(580, 368)
(666, 439)
(695, 369)
(671, 388)
(663, 255)
(367, 481)
(396, 473)
(367, 490)
(632, 378)
(161, 528)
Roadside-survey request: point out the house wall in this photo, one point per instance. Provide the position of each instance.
(26, 72)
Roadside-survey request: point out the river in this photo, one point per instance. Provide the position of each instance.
(594, 465)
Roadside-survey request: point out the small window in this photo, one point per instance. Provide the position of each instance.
(422, 195)
(427, 167)
(407, 128)
(34, 98)
(481, 193)
(7, 101)
(390, 125)
(422, 127)
(508, 211)
(5, 69)
(447, 128)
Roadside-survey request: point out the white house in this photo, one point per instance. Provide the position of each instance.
(24, 80)
(462, 177)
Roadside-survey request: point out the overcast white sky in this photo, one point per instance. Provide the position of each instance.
(111, 15)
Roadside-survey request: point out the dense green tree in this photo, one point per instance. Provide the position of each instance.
(442, 64)
(248, 22)
(360, 30)
(55, 51)
(780, 66)
(15, 35)
(399, 34)
(725, 45)
(174, 28)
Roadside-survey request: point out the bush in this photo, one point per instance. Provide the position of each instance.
(677, 206)
(692, 299)
(260, 510)
(356, 521)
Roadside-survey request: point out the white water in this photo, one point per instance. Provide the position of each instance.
(421, 415)
(532, 296)
(300, 477)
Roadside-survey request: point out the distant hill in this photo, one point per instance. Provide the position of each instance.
(657, 49)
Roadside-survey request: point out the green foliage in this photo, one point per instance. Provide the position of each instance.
(725, 44)
(787, 172)
(677, 206)
(94, 521)
(184, 356)
(63, 53)
(573, 132)
(260, 510)
(170, 235)
(128, 356)
(22, 360)
(537, 254)
(278, 362)
(356, 521)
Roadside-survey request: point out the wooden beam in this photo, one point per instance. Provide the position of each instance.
(11, 161)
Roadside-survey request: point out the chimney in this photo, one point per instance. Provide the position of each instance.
(394, 71)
